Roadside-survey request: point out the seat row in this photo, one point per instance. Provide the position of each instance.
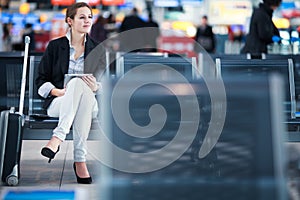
(286, 66)
(38, 125)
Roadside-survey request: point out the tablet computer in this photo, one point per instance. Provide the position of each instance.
(68, 77)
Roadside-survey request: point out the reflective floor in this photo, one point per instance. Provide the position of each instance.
(38, 174)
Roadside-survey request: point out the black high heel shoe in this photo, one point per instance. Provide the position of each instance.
(49, 153)
(87, 180)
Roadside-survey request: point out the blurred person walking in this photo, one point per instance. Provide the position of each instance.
(7, 43)
(98, 32)
(75, 104)
(132, 21)
(134, 40)
(1, 36)
(205, 37)
(262, 30)
(151, 34)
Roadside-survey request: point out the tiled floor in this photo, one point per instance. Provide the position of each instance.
(38, 174)
(293, 151)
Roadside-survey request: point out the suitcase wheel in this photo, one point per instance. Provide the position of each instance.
(12, 180)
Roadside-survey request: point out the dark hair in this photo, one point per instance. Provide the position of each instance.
(134, 10)
(28, 25)
(72, 10)
(272, 2)
(204, 17)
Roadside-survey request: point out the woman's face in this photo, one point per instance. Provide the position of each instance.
(82, 21)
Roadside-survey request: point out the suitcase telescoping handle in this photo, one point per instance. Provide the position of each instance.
(23, 82)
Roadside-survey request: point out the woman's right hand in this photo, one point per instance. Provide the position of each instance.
(58, 92)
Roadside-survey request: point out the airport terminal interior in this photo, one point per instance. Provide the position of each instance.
(181, 116)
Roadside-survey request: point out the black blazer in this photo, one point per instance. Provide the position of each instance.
(55, 63)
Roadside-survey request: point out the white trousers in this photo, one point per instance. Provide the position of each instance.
(77, 107)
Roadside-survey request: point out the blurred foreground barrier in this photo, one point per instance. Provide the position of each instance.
(150, 150)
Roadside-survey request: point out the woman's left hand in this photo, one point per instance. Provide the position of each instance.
(91, 82)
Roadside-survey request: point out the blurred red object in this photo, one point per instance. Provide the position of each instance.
(62, 2)
(112, 2)
(176, 45)
(291, 13)
(41, 41)
(94, 2)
